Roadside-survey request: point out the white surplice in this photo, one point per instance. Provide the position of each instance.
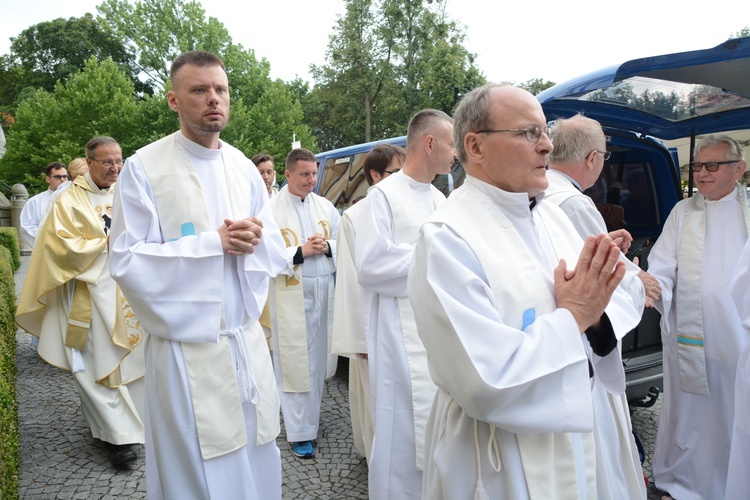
(402, 388)
(351, 317)
(32, 216)
(618, 470)
(738, 479)
(301, 408)
(187, 291)
(502, 383)
(692, 444)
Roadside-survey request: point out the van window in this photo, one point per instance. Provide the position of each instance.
(343, 182)
(627, 180)
(638, 198)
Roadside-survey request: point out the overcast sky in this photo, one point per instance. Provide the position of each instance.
(514, 40)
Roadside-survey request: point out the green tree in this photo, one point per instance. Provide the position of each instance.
(317, 114)
(387, 59)
(54, 126)
(11, 83)
(264, 113)
(536, 85)
(445, 70)
(157, 31)
(52, 51)
(359, 55)
(269, 125)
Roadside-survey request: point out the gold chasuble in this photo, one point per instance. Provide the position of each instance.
(68, 275)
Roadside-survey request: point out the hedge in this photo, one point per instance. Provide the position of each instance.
(10, 261)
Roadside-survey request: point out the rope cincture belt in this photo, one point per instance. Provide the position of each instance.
(249, 392)
(493, 453)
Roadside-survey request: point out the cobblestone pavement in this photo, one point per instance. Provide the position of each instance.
(60, 459)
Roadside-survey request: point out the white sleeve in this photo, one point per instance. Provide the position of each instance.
(738, 286)
(382, 265)
(333, 238)
(589, 222)
(30, 220)
(349, 335)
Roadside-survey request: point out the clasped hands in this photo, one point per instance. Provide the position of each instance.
(241, 236)
(585, 291)
(314, 245)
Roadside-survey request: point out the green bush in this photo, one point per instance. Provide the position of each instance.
(9, 239)
(9, 458)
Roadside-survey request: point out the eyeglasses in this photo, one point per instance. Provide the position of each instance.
(605, 154)
(711, 166)
(391, 171)
(60, 177)
(532, 132)
(109, 163)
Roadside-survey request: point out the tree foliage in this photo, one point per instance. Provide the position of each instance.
(264, 113)
(67, 80)
(54, 126)
(536, 85)
(52, 51)
(157, 31)
(101, 99)
(360, 53)
(386, 59)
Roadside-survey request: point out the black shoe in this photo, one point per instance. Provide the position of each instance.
(120, 454)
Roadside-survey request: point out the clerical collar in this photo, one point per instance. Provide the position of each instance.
(93, 185)
(196, 149)
(300, 198)
(518, 204)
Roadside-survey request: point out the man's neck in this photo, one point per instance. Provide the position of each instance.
(209, 140)
(92, 183)
(417, 171)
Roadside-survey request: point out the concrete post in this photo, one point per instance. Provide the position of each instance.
(18, 197)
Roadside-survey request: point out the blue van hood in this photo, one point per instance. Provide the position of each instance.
(668, 96)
